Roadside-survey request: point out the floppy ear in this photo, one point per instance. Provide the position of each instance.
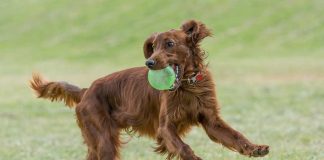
(148, 46)
(195, 30)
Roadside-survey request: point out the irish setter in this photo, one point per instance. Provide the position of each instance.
(124, 100)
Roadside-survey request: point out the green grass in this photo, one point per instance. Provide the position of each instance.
(267, 58)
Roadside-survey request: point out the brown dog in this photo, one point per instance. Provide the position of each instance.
(124, 100)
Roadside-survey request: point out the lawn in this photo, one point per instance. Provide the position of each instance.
(267, 58)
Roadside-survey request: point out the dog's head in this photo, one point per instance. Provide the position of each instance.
(178, 48)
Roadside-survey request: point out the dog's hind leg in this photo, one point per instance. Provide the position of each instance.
(98, 131)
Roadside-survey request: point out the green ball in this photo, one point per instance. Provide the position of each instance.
(162, 79)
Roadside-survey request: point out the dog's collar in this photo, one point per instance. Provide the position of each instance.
(197, 76)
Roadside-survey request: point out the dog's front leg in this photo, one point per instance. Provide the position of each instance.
(168, 138)
(221, 132)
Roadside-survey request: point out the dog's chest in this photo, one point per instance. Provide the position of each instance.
(183, 108)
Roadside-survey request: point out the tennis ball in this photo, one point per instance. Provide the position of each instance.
(162, 79)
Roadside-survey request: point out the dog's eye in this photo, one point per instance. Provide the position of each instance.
(170, 44)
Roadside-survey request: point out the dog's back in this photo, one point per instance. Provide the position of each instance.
(125, 95)
(128, 98)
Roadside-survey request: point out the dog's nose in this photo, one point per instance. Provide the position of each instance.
(150, 63)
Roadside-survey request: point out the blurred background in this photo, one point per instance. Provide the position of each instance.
(267, 58)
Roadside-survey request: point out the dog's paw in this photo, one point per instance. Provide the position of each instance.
(198, 158)
(260, 151)
(195, 158)
(192, 157)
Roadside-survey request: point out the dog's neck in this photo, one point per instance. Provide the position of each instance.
(196, 63)
(198, 57)
(195, 68)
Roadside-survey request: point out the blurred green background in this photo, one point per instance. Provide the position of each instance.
(267, 58)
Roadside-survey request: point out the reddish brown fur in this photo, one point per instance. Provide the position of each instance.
(124, 100)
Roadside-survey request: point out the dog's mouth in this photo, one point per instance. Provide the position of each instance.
(177, 82)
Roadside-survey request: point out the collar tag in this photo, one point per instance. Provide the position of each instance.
(199, 76)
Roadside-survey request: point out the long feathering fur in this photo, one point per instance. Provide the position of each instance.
(56, 91)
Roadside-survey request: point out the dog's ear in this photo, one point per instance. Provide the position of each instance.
(196, 31)
(148, 46)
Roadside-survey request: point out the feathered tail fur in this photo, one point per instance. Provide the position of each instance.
(56, 91)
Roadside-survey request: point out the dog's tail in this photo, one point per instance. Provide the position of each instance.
(56, 91)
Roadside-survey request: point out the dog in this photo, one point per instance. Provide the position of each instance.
(125, 101)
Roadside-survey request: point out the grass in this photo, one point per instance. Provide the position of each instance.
(266, 56)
